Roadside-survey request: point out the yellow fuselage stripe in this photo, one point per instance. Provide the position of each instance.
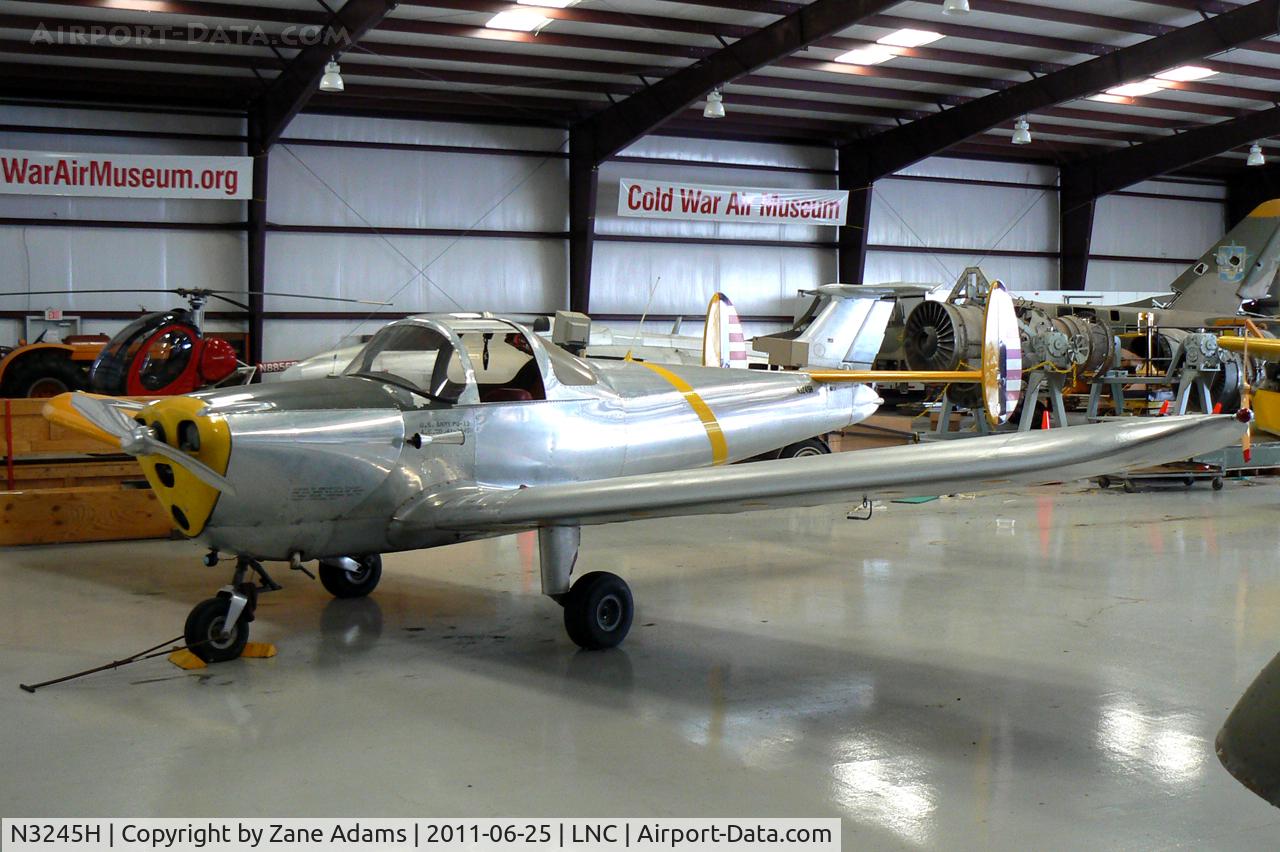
(719, 447)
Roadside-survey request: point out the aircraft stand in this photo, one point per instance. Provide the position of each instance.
(1052, 384)
(1197, 381)
(980, 425)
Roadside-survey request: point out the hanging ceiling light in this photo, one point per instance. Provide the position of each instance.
(1022, 132)
(1256, 157)
(955, 7)
(332, 79)
(715, 105)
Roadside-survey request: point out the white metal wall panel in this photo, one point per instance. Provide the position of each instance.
(121, 120)
(1108, 275)
(290, 340)
(950, 215)
(405, 131)
(499, 274)
(109, 258)
(721, 151)
(1018, 273)
(759, 279)
(125, 259)
(955, 167)
(1147, 227)
(1216, 191)
(414, 189)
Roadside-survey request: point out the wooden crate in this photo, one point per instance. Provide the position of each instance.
(33, 435)
(87, 513)
(63, 486)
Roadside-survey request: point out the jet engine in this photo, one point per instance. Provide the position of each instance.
(1067, 342)
(946, 336)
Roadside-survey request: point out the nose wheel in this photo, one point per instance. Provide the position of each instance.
(206, 632)
(217, 628)
(598, 610)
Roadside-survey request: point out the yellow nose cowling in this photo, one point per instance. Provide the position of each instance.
(176, 421)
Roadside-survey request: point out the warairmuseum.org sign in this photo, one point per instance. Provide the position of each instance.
(125, 175)
(664, 200)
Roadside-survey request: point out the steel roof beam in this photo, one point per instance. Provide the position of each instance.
(896, 149)
(289, 92)
(1106, 173)
(618, 126)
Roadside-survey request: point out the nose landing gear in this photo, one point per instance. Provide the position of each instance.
(217, 628)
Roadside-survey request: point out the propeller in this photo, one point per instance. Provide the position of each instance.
(138, 440)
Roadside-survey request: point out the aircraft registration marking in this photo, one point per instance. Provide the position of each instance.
(719, 446)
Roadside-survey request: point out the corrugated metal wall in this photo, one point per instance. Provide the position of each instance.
(447, 216)
(182, 243)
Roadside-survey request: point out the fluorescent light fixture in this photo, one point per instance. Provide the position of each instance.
(910, 38)
(715, 105)
(1021, 132)
(1136, 90)
(332, 79)
(523, 20)
(955, 7)
(872, 54)
(1256, 157)
(548, 4)
(1186, 73)
(1109, 99)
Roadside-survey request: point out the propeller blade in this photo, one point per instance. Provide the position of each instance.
(138, 440)
(153, 446)
(104, 415)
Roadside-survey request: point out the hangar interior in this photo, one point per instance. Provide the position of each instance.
(1050, 662)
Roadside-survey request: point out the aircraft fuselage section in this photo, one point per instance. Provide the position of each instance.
(326, 479)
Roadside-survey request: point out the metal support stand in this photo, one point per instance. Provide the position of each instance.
(1194, 380)
(980, 424)
(1113, 380)
(1052, 384)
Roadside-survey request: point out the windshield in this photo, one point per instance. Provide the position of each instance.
(412, 356)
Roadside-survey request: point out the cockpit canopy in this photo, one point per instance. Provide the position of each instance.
(441, 358)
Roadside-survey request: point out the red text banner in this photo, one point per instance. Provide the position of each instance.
(125, 175)
(653, 199)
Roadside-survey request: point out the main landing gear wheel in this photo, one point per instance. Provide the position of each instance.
(343, 582)
(804, 449)
(203, 632)
(598, 610)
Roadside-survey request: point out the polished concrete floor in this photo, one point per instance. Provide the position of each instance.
(1039, 668)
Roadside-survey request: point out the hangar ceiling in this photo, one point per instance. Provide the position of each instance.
(451, 58)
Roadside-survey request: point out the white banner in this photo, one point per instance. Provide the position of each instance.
(654, 199)
(125, 175)
(537, 834)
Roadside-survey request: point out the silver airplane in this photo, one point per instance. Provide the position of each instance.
(447, 429)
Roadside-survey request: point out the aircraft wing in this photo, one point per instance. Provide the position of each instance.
(945, 467)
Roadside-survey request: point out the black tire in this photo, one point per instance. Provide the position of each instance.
(1104, 482)
(44, 374)
(204, 624)
(598, 611)
(1217, 483)
(801, 449)
(342, 583)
